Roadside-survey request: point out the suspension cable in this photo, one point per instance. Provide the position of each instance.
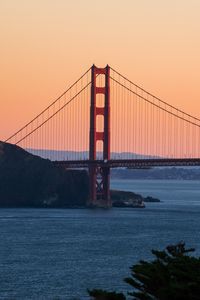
(57, 99)
(162, 101)
(154, 104)
(55, 113)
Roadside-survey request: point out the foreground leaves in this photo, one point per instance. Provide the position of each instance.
(104, 295)
(174, 274)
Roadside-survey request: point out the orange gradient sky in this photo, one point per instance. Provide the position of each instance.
(47, 44)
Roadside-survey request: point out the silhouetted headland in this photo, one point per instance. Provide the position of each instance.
(26, 180)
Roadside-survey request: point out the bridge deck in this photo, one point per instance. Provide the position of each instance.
(131, 163)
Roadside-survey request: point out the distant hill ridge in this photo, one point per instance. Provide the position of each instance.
(70, 155)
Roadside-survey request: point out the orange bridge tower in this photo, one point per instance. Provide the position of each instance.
(99, 171)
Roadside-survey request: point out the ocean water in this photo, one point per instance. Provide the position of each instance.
(59, 253)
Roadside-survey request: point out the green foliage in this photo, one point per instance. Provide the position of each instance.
(104, 295)
(173, 275)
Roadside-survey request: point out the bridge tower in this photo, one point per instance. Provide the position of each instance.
(99, 172)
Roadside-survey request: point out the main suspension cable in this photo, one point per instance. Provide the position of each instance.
(55, 113)
(155, 97)
(154, 104)
(56, 100)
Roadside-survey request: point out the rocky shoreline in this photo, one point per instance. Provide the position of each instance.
(130, 199)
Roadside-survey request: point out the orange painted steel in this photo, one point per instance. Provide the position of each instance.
(99, 176)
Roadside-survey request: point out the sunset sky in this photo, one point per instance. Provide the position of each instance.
(47, 44)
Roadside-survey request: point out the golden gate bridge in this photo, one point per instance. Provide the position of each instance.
(103, 121)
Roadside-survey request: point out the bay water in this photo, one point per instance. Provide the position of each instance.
(59, 253)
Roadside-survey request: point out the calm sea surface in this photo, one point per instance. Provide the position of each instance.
(59, 253)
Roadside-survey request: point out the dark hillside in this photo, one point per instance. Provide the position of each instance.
(30, 181)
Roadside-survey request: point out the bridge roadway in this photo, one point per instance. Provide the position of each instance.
(131, 163)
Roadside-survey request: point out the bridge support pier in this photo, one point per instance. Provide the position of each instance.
(99, 174)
